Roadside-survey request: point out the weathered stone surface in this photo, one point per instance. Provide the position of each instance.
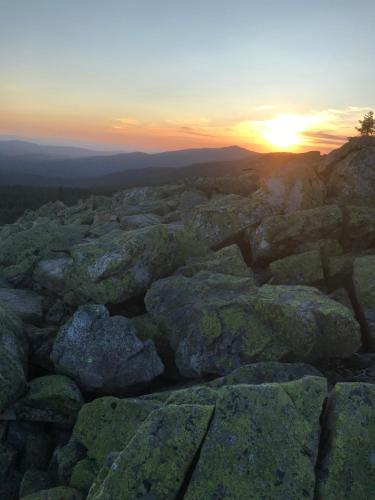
(13, 356)
(350, 172)
(58, 493)
(364, 286)
(301, 269)
(281, 235)
(49, 273)
(103, 353)
(25, 303)
(224, 217)
(22, 246)
(157, 459)
(107, 424)
(347, 467)
(218, 322)
(263, 442)
(52, 398)
(119, 265)
(228, 260)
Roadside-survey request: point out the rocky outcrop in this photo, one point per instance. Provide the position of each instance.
(103, 353)
(117, 314)
(217, 322)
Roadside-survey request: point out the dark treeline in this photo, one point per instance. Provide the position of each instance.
(14, 200)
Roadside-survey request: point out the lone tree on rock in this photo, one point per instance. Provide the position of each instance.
(367, 125)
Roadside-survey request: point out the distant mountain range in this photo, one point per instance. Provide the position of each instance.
(30, 164)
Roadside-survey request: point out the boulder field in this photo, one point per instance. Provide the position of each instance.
(212, 340)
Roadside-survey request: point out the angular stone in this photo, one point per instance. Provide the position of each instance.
(263, 442)
(228, 260)
(52, 398)
(49, 273)
(119, 265)
(301, 269)
(25, 303)
(281, 235)
(107, 424)
(103, 353)
(156, 461)
(347, 467)
(216, 323)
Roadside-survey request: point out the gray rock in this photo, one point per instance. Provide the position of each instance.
(103, 353)
(216, 323)
(25, 303)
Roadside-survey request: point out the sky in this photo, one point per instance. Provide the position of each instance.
(158, 75)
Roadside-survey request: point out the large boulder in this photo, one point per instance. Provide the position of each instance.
(301, 269)
(119, 265)
(364, 287)
(350, 172)
(224, 217)
(23, 245)
(262, 443)
(281, 235)
(13, 358)
(228, 260)
(50, 399)
(217, 322)
(348, 458)
(157, 459)
(25, 303)
(103, 353)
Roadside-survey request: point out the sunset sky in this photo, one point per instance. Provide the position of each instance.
(166, 74)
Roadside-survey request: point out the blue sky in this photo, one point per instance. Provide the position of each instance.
(148, 72)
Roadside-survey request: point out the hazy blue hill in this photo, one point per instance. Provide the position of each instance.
(95, 166)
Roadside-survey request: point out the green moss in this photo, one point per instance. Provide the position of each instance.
(301, 269)
(84, 474)
(261, 443)
(107, 424)
(155, 462)
(347, 468)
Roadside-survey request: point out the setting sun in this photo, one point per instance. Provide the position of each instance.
(284, 131)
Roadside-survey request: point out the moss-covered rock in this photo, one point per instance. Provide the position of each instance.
(224, 217)
(217, 323)
(262, 443)
(348, 461)
(26, 244)
(107, 424)
(228, 260)
(49, 273)
(301, 269)
(13, 357)
(84, 474)
(156, 461)
(119, 265)
(57, 493)
(52, 399)
(103, 353)
(281, 235)
(364, 286)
